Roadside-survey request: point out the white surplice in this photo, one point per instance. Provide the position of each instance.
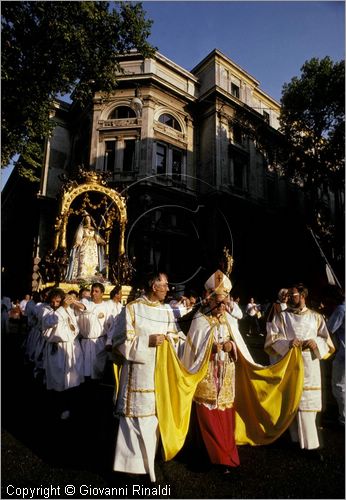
(91, 324)
(306, 324)
(138, 433)
(115, 309)
(63, 360)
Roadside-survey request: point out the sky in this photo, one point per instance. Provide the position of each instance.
(269, 40)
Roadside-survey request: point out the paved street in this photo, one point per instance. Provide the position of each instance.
(52, 457)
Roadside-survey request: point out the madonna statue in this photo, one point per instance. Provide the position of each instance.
(87, 254)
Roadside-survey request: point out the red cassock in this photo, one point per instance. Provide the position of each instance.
(217, 429)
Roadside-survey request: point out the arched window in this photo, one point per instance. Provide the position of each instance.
(122, 112)
(170, 121)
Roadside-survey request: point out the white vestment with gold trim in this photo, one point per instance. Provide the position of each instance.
(304, 325)
(138, 429)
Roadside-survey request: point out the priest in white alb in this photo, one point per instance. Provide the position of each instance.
(147, 322)
(301, 327)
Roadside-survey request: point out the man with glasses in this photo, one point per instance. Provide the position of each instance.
(144, 324)
(299, 326)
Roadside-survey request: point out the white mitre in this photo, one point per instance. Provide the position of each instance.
(218, 283)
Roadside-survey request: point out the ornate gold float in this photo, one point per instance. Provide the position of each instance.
(76, 200)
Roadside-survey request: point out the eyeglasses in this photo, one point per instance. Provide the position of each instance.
(293, 294)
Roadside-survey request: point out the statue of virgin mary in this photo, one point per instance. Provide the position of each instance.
(87, 253)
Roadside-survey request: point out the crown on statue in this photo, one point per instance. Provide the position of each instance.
(91, 176)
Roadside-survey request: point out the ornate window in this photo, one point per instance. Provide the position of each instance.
(161, 158)
(177, 164)
(169, 160)
(109, 161)
(129, 155)
(122, 112)
(266, 117)
(237, 134)
(235, 91)
(120, 155)
(240, 167)
(170, 121)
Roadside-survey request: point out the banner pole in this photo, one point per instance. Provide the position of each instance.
(324, 257)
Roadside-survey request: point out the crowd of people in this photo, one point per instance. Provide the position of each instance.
(182, 366)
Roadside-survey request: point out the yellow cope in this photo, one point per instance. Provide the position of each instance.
(267, 398)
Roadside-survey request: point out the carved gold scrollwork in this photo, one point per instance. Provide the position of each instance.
(83, 196)
(116, 210)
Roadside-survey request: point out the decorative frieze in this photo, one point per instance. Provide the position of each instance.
(129, 122)
(175, 134)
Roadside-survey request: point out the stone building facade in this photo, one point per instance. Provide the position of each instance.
(181, 146)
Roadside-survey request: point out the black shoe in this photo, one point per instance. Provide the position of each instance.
(199, 467)
(223, 469)
(314, 455)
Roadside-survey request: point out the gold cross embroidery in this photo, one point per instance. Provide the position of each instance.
(218, 278)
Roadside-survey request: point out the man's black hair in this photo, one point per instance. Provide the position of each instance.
(98, 285)
(56, 292)
(115, 291)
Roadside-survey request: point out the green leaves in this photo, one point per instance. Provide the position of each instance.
(313, 126)
(312, 121)
(51, 48)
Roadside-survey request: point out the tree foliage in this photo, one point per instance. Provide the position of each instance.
(313, 124)
(52, 48)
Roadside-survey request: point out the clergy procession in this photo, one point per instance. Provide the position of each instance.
(188, 379)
